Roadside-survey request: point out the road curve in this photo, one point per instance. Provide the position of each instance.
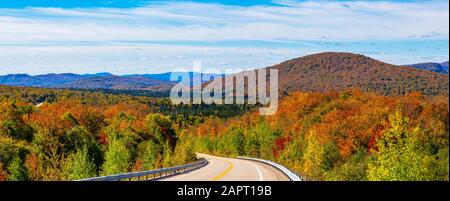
(230, 169)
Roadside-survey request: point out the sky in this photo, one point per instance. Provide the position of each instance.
(145, 36)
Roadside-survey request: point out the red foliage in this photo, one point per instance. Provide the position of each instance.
(103, 138)
(280, 145)
(2, 173)
(376, 134)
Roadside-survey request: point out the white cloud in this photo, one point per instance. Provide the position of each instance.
(42, 40)
(212, 22)
(128, 59)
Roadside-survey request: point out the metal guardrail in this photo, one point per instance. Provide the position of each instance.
(290, 174)
(151, 174)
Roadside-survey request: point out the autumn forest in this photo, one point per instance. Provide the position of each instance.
(54, 134)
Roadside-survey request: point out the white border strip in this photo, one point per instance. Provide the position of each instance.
(291, 175)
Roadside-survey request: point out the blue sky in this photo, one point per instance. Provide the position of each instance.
(144, 36)
(119, 3)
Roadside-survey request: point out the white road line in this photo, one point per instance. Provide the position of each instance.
(257, 169)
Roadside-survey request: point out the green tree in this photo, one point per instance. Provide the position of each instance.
(79, 165)
(313, 157)
(167, 155)
(17, 171)
(354, 169)
(160, 127)
(238, 142)
(12, 123)
(252, 146)
(401, 156)
(330, 155)
(148, 154)
(117, 158)
(183, 153)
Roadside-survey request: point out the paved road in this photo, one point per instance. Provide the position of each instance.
(230, 169)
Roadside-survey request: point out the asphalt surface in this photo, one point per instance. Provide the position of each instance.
(230, 169)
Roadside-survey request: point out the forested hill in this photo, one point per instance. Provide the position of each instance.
(346, 136)
(338, 71)
(431, 66)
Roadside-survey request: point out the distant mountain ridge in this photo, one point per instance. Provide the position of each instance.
(48, 80)
(318, 72)
(70, 80)
(431, 66)
(118, 82)
(104, 80)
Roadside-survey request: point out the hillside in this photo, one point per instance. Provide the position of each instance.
(338, 71)
(346, 136)
(435, 67)
(118, 82)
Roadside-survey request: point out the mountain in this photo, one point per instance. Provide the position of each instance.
(104, 80)
(119, 82)
(445, 65)
(86, 81)
(48, 80)
(338, 71)
(102, 74)
(436, 67)
(166, 76)
(318, 72)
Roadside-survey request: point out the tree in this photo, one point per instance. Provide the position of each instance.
(148, 155)
(3, 173)
(117, 158)
(79, 165)
(252, 146)
(167, 155)
(183, 153)
(400, 156)
(12, 123)
(17, 171)
(238, 142)
(160, 127)
(74, 139)
(354, 169)
(331, 155)
(313, 157)
(35, 167)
